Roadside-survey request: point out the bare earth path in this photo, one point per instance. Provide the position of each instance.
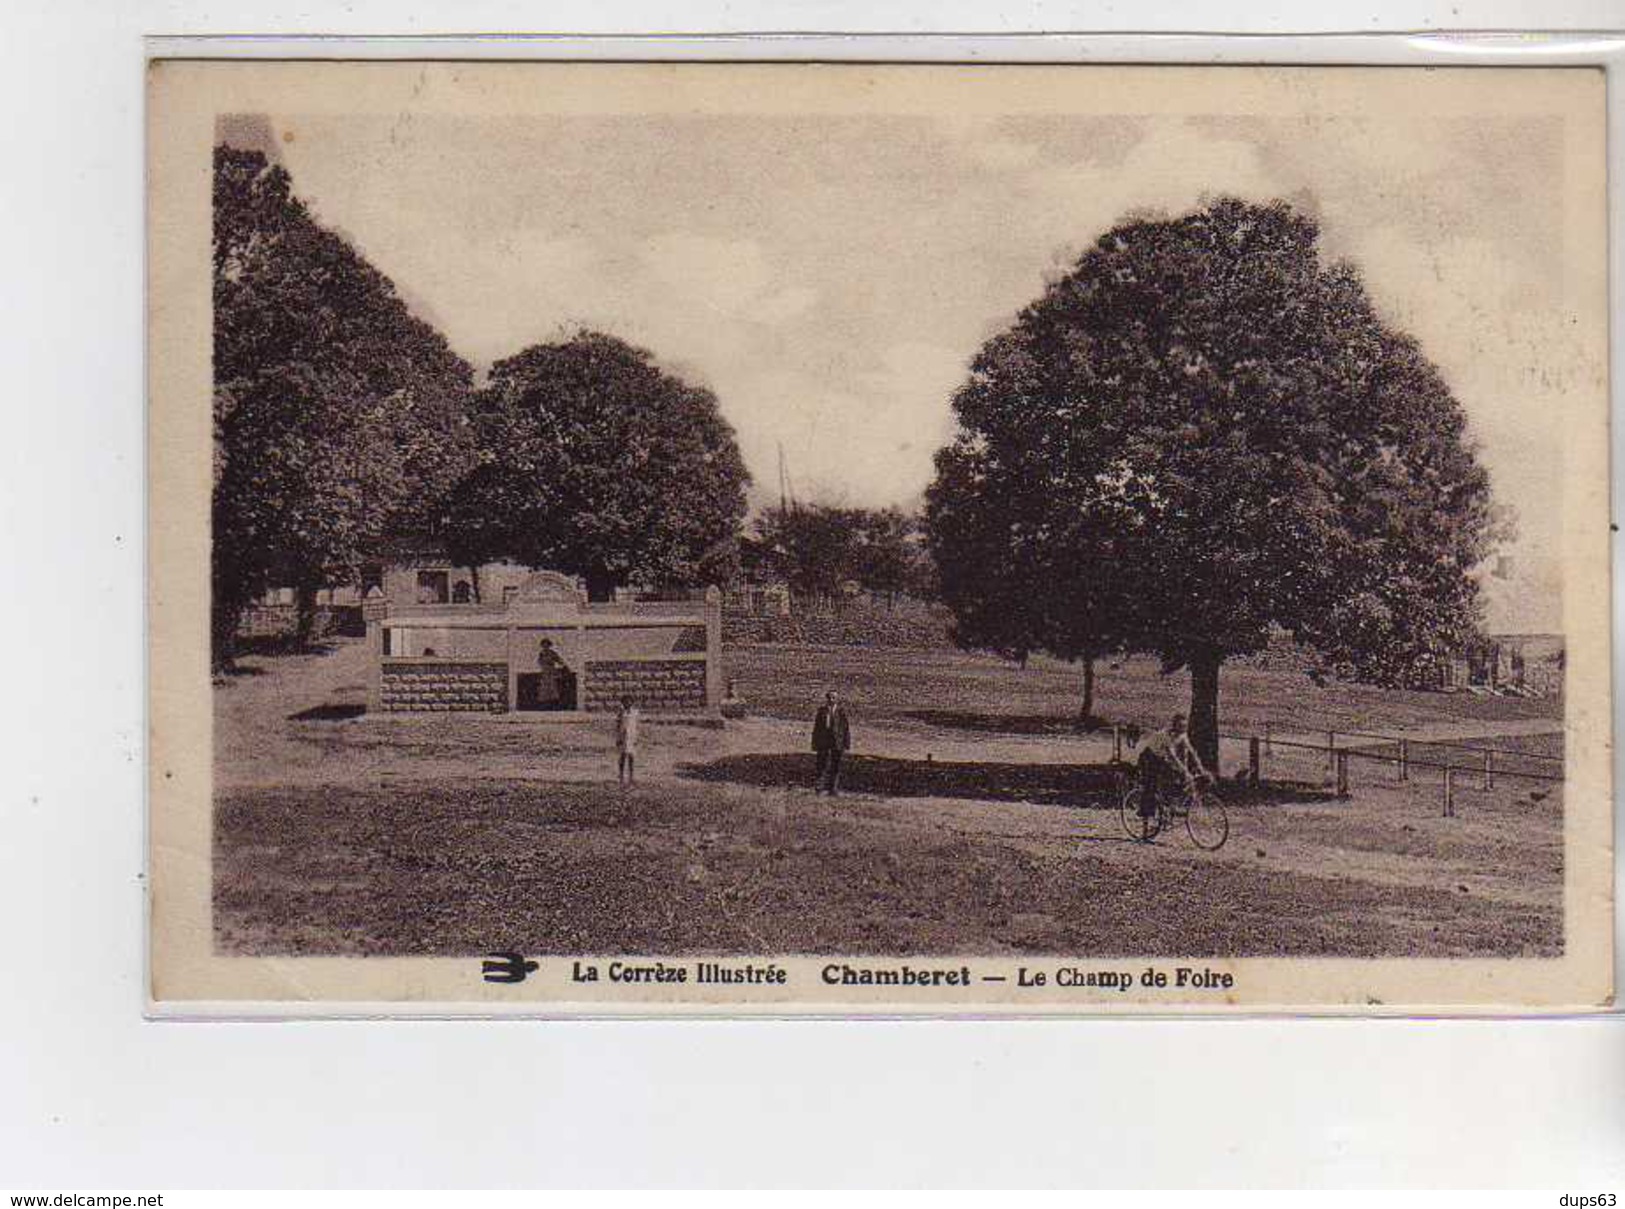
(342, 833)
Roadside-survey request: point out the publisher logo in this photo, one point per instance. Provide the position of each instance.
(508, 967)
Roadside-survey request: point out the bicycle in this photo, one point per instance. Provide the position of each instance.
(1200, 806)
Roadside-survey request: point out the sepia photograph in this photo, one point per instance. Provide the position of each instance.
(851, 538)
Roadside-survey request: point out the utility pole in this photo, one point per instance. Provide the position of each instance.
(787, 490)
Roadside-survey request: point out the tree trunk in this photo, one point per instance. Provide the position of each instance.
(225, 613)
(474, 581)
(305, 596)
(1086, 708)
(600, 587)
(1204, 720)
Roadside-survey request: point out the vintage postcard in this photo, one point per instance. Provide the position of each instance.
(853, 539)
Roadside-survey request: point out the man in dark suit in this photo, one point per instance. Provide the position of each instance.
(831, 739)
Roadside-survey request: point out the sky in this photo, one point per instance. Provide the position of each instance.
(830, 276)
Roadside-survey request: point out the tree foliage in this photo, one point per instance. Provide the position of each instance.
(817, 548)
(339, 417)
(888, 552)
(1200, 432)
(596, 462)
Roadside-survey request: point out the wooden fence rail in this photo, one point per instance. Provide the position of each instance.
(1339, 759)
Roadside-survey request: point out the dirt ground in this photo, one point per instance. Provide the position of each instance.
(972, 821)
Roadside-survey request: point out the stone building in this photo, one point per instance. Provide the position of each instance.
(407, 571)
(757, 600)
(540, 647)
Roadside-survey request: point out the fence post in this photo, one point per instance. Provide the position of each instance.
(1489, 770)
(1404, 759)
(1449, 793)
(1331, 752)
(1252, 761)
(1269, 747)
(1342, 774)
(376, 650)
(1117, 745)
(713, 650)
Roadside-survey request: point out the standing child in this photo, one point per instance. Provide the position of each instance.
(628, 719)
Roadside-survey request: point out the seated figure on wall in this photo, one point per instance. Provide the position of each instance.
(552, 686)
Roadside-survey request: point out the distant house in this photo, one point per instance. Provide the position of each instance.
(407, 572)
(418, 571)
(1530, 662)
(1520, 664)
(1523, 655)
(759, 590)
(757, 600)
(415, 571)
(276, 613)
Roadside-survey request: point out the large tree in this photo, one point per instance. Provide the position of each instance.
(1199, 433)
(339, 417)
(599, 463)
(1015, 584)
(810, 545)
(818, 547)
(887, 554)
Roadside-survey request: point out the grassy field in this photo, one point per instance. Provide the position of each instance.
(958, 691)
(975, 823)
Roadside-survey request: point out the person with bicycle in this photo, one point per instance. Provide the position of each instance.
(1167, 757)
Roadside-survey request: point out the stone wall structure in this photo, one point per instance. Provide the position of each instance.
(674, 685)
(438, 687)
(545, 649)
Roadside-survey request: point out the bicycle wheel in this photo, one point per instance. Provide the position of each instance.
(1143, 829)
(1206, 820)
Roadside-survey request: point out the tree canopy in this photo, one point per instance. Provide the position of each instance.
(819, 547)
(597, 462)
(339, 417)
(1200, 432)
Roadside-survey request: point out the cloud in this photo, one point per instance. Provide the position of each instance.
(866, 439)
(1514, 356)
(1173, 169)
(1001, 154)
(722, 275)
(785, 304)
